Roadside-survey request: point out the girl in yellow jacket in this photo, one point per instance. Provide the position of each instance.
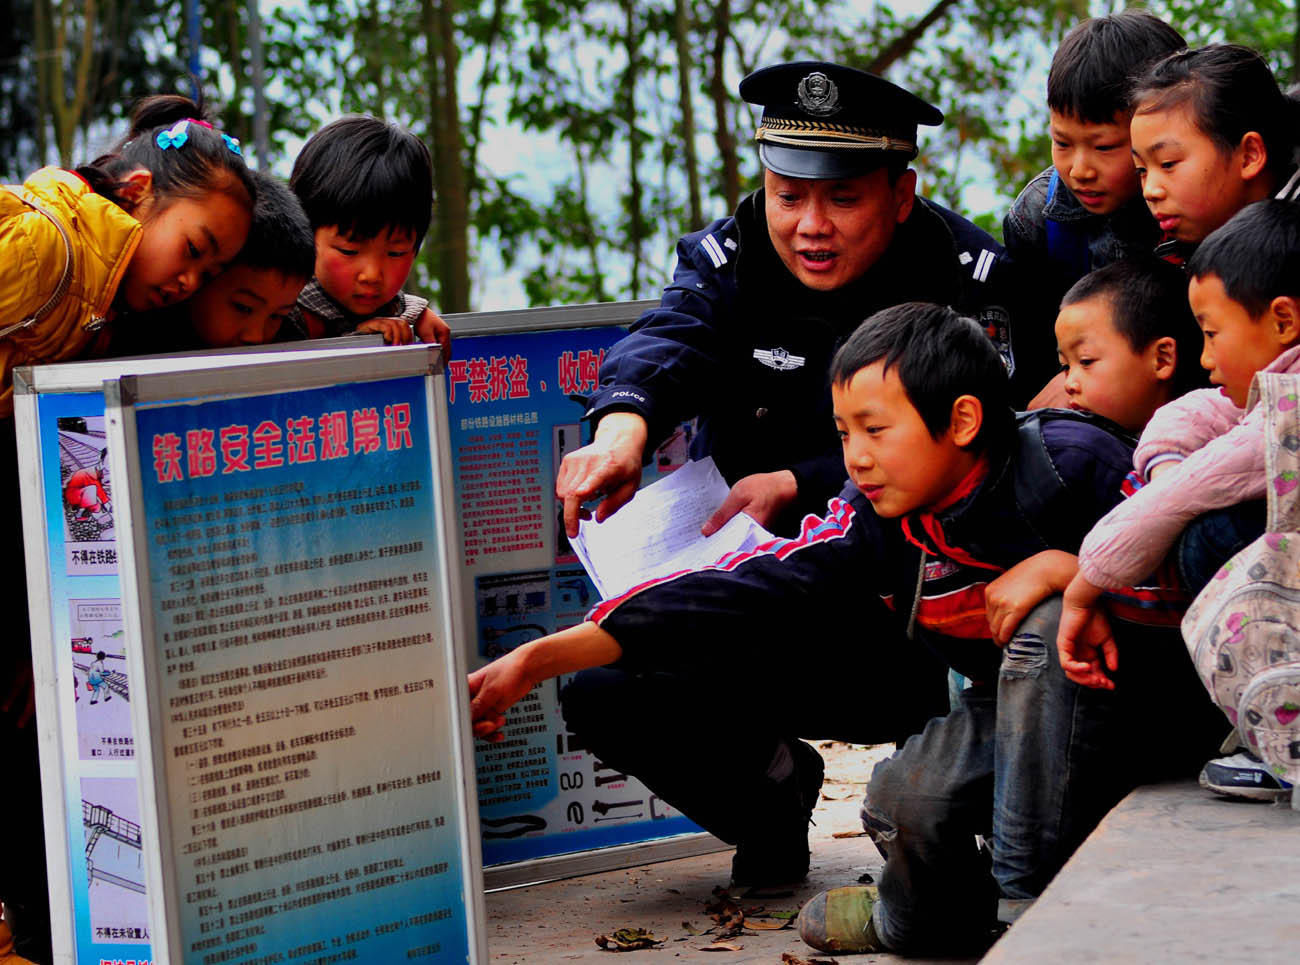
(139, 228)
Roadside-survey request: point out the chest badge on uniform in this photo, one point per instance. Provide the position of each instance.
(779, 359)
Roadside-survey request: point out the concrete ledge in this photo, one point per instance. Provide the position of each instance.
(1173, 874)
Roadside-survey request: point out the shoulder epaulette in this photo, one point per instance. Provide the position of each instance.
(983, 262)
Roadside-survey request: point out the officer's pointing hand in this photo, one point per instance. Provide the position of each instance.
(761, 497)
(611, 465)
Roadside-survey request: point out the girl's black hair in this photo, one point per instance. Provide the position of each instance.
(203, 164)
(1230, 91)
(362, 176)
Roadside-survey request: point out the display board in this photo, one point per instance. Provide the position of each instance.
(517, 387)
(287, 595)
(87, 742)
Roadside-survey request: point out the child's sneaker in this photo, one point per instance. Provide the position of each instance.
(1243, 775)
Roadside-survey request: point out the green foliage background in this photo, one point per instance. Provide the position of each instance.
(595, 92)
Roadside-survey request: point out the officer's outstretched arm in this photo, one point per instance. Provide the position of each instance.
(494, 689)
(609, 465)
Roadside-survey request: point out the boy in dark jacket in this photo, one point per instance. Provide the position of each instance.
(1086, 211)
(948, 492)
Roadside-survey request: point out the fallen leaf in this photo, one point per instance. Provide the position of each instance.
(789, 958)
(721, 947)
(758, 925)
(791, 915)
(849, 834)
(692, 930)
(627, 940)
(866, 879)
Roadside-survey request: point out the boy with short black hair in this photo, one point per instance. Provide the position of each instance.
(1086, 211)
(1128, 341)
(252, 300)
(947, 491)
(367, 188)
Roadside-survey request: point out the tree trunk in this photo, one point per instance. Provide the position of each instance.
(42, 53)
(725, 140)
(475, 133)
(681, 30)
(66, 114)
(907, 40)
(451, 215)
(590, 241)
(636, 225)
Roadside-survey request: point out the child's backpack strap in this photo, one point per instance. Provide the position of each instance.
(1066, 244)
(1039, 489)
(65, 280)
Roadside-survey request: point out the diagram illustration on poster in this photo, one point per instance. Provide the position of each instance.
(110, 816)
(89, 534)
(97, 650)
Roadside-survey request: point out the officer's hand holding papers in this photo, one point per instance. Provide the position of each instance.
(658, 532)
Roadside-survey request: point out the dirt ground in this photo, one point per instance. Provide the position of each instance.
(559, 921)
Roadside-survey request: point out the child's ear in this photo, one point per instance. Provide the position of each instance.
(1284, 315)
(1254, 155)
(1164, 355)
(967, 419)
(136, 188)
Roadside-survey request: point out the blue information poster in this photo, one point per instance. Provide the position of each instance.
(309, 750)
(516, 404)
(106, 865)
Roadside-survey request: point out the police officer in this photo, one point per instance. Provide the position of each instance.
(759, 301)
(743, 339)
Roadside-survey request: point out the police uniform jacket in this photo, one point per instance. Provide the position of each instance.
(1057, 474)
(739, 342)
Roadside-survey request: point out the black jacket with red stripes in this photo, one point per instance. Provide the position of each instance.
(1057, 476)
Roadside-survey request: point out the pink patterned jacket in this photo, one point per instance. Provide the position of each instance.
(1220, 453)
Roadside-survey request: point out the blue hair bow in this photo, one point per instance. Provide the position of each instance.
(174, 136)
(233, 144)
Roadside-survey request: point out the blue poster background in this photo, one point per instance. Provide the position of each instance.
(516, 404)
(354, 854)
(101, 789)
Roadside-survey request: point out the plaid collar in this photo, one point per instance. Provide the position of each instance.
(337, 319)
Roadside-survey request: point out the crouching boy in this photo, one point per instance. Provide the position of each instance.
(948, 491)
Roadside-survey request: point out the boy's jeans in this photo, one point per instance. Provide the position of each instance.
(1211, 540)
(1033, 762)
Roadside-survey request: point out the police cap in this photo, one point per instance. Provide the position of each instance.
(824, 120)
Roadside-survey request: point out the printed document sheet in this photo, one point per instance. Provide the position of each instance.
(658, 532)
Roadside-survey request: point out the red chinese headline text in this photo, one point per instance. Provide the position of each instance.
(234, 448)
(494, 378)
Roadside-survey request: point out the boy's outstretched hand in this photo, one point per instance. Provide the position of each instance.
(496, 688)
(1084, 641)
(394, 330)
(493, 690)
(430, 327)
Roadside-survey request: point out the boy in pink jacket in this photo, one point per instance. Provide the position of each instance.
(1202, 455)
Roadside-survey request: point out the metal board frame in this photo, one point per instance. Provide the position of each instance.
(87, 377)
(124, 396)
(552, 867)
(548, 319)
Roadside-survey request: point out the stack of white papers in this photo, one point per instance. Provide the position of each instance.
(658, 532)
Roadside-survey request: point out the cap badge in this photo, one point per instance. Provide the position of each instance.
(818, 95)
